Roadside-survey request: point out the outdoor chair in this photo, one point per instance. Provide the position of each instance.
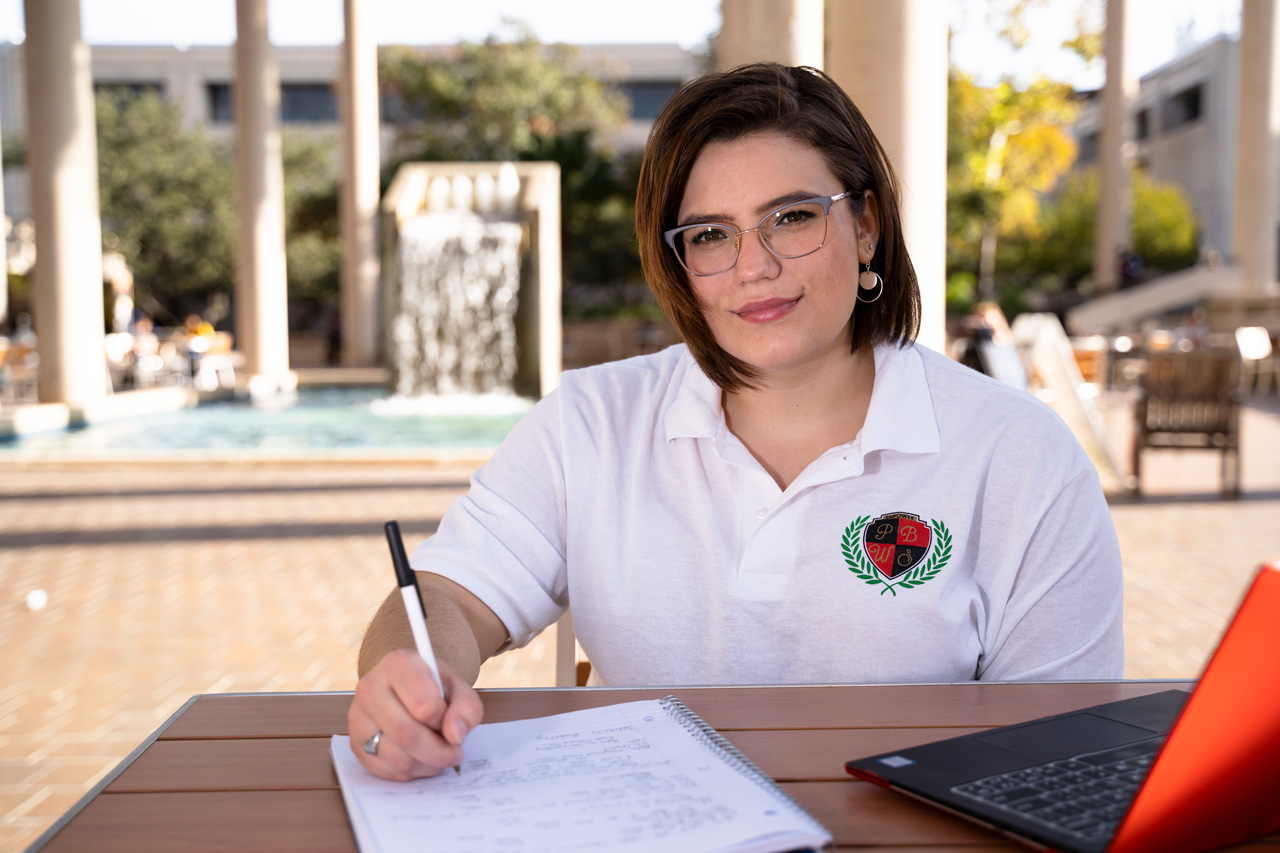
(1190, 400)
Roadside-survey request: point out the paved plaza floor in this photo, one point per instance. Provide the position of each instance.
(165, 581)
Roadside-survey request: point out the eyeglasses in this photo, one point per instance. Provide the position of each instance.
(792, 231)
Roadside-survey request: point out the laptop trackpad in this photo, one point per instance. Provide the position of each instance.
(1064, 737)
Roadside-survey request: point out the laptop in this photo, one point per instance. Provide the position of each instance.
(1167, 771)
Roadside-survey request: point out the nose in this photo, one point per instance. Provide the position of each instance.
(755, 261)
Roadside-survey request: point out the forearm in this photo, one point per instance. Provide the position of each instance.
(459, 640)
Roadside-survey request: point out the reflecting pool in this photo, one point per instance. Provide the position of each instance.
(340, 420)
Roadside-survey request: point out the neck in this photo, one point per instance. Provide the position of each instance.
(790, 420)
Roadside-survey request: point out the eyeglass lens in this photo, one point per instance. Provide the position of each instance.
(791, 232)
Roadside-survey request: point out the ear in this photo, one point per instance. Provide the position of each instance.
(868, 228)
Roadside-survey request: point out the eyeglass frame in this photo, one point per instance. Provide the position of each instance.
(826, 201)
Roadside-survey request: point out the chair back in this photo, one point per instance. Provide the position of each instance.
(1192, 391)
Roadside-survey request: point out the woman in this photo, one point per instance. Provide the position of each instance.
(800, 494)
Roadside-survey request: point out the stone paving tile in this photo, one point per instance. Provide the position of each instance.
(166, 583)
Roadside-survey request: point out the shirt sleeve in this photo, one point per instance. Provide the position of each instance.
(1063, 619)
(504, 540)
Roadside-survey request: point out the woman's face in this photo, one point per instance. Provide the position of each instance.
(777, 314)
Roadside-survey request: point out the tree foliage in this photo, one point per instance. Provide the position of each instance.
(515, 98)
(167, 202)
(1007, 146)
(167, 198)
(1014, 190)
(313, 243)
(495, 100)
(1165, 232)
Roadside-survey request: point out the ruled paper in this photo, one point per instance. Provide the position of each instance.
(621, 777)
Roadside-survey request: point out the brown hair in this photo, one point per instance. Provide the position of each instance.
(806, 105)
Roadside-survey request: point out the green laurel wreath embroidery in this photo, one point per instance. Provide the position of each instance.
(868, 573)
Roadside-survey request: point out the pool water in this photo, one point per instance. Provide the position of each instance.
(317, 419)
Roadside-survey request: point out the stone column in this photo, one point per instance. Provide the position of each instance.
(359, 196)
(1113, 227)
(785, 31)
(892, 60)
(262, 320)
(63, 168)
(1254, 243)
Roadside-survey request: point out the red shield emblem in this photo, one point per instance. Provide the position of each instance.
(897, 542)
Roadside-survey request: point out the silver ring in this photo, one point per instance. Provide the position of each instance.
(371, 745)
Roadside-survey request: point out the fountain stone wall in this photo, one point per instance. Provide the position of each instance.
(457, 239)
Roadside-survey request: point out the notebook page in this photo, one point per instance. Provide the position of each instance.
(620, 777)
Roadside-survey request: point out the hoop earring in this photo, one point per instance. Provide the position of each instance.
(869, 280)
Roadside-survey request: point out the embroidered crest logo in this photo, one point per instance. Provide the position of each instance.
(891, 551)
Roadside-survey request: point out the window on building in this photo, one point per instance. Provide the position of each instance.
(221, 110)
(129, 88)
(299, 102)
(1183, 108)
(308, 102)
(1087, 152)
(648, 96)
(1142, 124)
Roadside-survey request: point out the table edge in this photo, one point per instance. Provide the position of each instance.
(102, 784)
(80, 804)
(672, 688)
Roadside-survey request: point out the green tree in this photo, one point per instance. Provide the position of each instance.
(168, 205)
(1165, 232)
(516, 98)
(495, 100)
(166, 198)
(1007, 146)
(313, 242)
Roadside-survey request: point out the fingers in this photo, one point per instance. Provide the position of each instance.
(421, 734)
(465, 710)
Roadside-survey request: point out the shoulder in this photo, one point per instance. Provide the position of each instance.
(638, 381)
(978, 416)
(962, 394)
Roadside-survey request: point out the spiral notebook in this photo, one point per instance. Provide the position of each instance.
(634, 776)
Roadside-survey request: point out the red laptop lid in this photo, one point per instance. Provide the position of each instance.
(1216, 780)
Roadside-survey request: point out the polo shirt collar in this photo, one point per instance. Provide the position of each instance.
(900, 416)
(693, 410)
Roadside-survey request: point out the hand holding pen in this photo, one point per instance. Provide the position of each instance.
(409, 714)
(413, 608)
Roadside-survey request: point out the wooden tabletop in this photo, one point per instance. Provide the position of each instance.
(249, 772)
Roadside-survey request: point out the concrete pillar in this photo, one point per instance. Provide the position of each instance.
(1259, 130)
(63, 168)
(262, 318)
(785, 31)
(892, 60)
(1113, 224)
(359, 195)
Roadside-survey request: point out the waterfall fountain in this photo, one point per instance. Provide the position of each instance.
(471, 259)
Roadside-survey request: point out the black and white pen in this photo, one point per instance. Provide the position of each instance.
(413, 606)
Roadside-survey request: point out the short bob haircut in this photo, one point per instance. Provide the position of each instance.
(806, 105)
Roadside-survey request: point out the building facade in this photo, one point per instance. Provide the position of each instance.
(199, 80)
(1182, 127)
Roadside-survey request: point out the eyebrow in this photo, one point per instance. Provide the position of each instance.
(761, 211)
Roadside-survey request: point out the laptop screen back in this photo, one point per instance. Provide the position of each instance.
(1215, 782)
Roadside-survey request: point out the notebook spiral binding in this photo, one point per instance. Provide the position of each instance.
(711, 738)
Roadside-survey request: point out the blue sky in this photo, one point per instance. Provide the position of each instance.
(1166, 26)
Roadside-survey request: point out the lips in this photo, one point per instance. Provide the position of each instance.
(766, 310)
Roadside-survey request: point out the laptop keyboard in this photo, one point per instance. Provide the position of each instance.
(1086, 796)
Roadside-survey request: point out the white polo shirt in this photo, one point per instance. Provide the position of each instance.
(963, 535)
